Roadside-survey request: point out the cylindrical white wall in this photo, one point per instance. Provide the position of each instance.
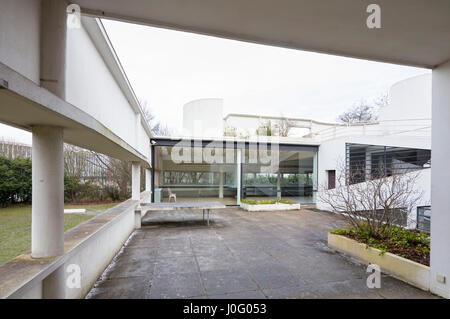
(409, 109)
(203, 118)
(47, 227)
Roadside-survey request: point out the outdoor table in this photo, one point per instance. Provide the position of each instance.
(206, 207)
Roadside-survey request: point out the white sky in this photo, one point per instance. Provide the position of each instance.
(170, 68)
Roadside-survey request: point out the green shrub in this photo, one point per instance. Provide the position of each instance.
(399, 240)
(15, 180)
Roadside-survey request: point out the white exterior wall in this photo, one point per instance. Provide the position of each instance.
(332, 156)
(203, 118)
(91, 87)
(19, 36)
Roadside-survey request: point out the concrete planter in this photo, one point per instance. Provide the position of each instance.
(269, 207)
(404, 269)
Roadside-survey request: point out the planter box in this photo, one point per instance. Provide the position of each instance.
(404, 269)
(269, 207)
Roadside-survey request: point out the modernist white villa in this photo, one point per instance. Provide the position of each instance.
(400, 140)
(65, 84)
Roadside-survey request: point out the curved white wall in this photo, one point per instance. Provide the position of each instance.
(409, 108)
(203, 118)
(409, 99)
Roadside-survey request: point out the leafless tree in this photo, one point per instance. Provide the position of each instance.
(284, 127)
(381, 100)
(361, 112)
(373, 205)
(364, 111)
(117, 172)
(157, 127)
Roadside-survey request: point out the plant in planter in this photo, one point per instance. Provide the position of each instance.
(406, 243)
(375, 206)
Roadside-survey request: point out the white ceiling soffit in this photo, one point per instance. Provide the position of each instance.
(413, 32)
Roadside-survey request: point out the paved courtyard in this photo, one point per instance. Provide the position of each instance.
(240, 255)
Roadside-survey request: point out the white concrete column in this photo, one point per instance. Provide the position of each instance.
(53, 46)
(278, 185)
(135, 180)
(440, 182)
(47, 226)
(238, 175)
(221, 173)
(315, 173)
(148, 180)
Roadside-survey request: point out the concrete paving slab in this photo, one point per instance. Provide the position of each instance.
(227, 281)
(176, 286)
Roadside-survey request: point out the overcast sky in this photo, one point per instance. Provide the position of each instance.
(170, 68)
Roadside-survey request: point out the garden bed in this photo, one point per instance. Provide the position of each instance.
(404, 269)
(268, 205)
(410, 244)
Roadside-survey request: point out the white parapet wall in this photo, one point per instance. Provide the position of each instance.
(89, 248)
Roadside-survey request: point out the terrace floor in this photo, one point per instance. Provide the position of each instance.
(240, 255)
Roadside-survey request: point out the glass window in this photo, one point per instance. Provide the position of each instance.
(424, 218)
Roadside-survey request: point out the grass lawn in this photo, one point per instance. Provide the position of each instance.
(15, 227)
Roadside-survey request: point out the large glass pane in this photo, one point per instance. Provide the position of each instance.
(293, 178)
(190, 173)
